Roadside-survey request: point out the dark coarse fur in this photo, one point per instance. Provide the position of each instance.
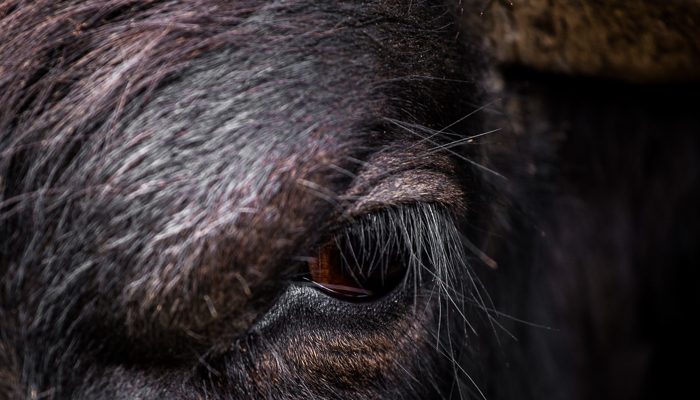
(164, 164)
(167, 168)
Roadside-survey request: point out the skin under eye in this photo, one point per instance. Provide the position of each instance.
(352, 270)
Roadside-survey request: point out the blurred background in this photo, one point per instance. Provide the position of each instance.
(597, 102)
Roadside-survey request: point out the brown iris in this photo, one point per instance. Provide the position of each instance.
(346, 271)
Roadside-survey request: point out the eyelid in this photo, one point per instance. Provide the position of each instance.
(407, 188)
(343, 290)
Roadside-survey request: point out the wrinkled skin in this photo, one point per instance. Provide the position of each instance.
(167, 168)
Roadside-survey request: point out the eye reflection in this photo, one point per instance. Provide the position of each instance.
(348, 269)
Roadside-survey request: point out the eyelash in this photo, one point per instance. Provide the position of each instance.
(396, 246)
(348, 267)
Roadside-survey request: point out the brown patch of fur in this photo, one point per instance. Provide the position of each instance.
(631, 40)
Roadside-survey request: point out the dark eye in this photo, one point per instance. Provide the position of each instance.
(358, 265)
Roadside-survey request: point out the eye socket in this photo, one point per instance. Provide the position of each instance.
(352, 270)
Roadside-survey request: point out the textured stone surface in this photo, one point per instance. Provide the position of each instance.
(636, 40)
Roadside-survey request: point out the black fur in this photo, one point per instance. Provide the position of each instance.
(167, 166)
